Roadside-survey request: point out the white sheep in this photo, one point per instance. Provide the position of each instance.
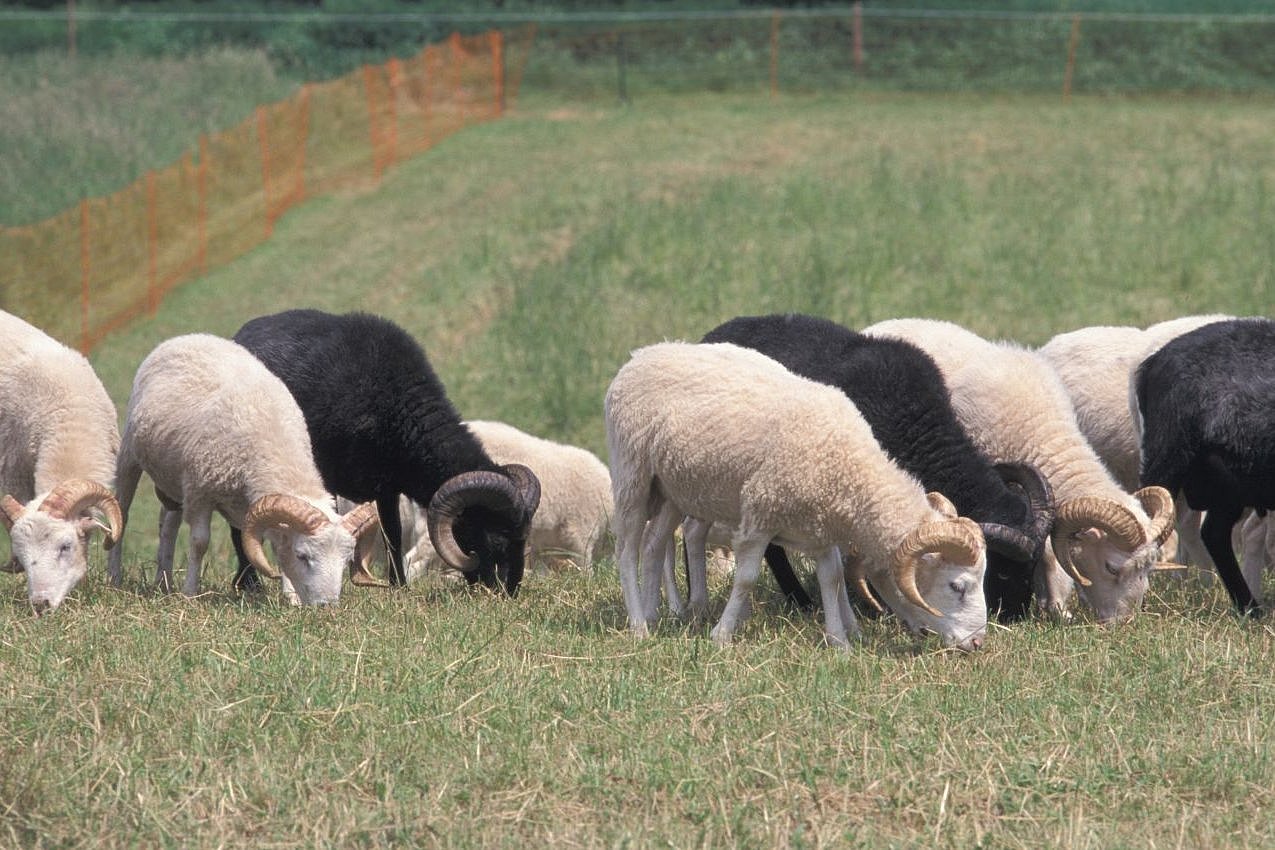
(725, 434)
(1016, 409)
(569, 527)
(1095, 365)
(58, 439)
(216, 431)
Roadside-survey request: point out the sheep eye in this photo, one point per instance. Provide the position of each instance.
(959, 588)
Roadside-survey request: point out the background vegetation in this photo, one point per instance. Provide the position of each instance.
(530, 256)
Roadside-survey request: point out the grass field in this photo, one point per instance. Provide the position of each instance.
(530, 255)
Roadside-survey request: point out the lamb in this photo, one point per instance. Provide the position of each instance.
(900, 392)
(381, 424)
(216, 431)
(1206, 400)
(574, 515)
(725, 434)
(1016, 409)
(58, 438)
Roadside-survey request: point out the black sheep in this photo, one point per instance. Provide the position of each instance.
(381, 424)
(1207, 403)
(901, 393)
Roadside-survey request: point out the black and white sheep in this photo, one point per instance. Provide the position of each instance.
(216, 431)
(573, 519)
(381, 425)
(727, 435)
(58, 438)
(1206, 400)
(900, 392)
(1015, 408)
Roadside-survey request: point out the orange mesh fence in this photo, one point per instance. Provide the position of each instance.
(98, 266)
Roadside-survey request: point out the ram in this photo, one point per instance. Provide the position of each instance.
(1206, 400)
(1096, 365)
(381, 425)
(900, 392)
(1015, 408)
(216, 432)
(727, 435)
(574, 516)
(58, 438)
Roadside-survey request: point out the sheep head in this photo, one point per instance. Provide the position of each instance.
(938, 578)
(1109, 551)
(315, 547)
(478, 523)
(50, 537)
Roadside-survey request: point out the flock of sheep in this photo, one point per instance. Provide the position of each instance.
(936, 473)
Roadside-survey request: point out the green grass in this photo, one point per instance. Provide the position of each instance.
(530, 255)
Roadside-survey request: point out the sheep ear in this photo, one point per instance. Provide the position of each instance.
(11, 511)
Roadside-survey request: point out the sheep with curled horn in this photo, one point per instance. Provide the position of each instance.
(727, 435)
(216, 432)
(381, 425)
(58, 439)
(901, 393)
(1206, 401)
(1012, 404)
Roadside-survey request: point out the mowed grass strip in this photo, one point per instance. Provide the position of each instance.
(530, 255)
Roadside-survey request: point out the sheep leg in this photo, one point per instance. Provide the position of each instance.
(839, 623)
(1051, 585)
(200, 521)
(1253, 545)
(170, 520)
(629, 528)
(695, 539)
(786, 578)
(1190, 547)
(658, 532)
(1216, 533)
(748, 555)
(392, 527)
(670, 579)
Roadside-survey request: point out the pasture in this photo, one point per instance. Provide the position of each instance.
(530, 256)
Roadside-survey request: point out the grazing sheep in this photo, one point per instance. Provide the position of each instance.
(1016, 409)
(216, 431)
(1096, 365)
(900, 392)
(1207, 405)
(574, 515)
(727, 435)
(58, 438)
(381, 424)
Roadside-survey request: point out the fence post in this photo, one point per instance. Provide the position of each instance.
(84, 276)
(152, 245)
(856, 34)
(1072, 44)
(774, 54)
(498, 69)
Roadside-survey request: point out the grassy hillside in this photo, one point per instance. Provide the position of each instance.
(530, 256)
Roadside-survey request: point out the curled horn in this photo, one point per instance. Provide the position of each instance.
(360, 522)
(74, 497)
(1112, 518)
(276, 509)
(1158, 504)
(11, 510)
(494, 490)
(857, 574)
(955, 539)
(1040, 500)
(528, 489)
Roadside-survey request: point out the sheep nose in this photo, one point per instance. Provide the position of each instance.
(976, 643)
(41, 606)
